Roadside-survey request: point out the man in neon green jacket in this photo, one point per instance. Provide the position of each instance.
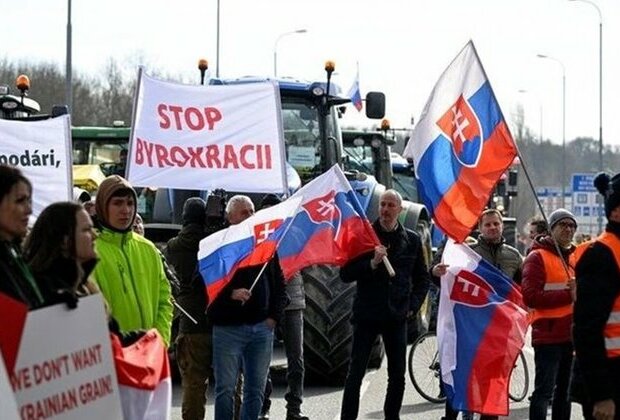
(130, 272)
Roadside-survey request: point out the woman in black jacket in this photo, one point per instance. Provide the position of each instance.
(16, 279)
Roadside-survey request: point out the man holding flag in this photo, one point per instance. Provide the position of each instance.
(244, 314)
(383, 303)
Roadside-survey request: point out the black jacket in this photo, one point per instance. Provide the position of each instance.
(381, 297)
(268, 297)
(17, 281)
(598, 285)
(181, 252)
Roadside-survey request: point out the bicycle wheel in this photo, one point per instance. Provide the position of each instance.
(424, 370)
(519, 379)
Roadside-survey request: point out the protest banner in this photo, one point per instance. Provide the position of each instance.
(60, 361)
(42, 150)
(207, 137)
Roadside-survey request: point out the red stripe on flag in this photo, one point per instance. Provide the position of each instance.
(460, 207)
(13, 314)
(144, 364)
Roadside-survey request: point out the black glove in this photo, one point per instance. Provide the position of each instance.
(68, 298)
(130, 337)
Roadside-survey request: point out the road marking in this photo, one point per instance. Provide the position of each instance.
(363, 389)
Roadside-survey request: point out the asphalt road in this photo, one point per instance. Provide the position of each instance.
(323, 403)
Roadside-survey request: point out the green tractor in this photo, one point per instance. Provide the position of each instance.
(20, 107)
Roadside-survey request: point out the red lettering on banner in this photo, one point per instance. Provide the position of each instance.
(91, 391)
(212, 156)
(194, 155)
(242, 158)
(85, 358)
(178, 156)
(228, 156)
(194, 118)
(20, 379)
(165, 121)
(50, 369)
(162, 156)
(268, 156)
(50, 406)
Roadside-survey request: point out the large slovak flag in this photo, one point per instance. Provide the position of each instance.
(481, 328)
(329, 228)
(251, 242)
(461, 145)
(143, 372)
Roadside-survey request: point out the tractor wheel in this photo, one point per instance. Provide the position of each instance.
(328, 332)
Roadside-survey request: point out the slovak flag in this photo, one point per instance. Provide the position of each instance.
(330, 226)
(461, 145)
(481, 328)
(143, 372)
(355, 94)
(251, 242)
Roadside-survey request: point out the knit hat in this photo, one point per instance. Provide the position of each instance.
(194, 211)
(269, 200)
(558, 215)
(610, 189)
(113, 186)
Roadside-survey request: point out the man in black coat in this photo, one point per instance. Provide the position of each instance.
(383, 303)
(193, 344)
(596, 318)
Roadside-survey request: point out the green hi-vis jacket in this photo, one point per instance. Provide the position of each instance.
(131, 276)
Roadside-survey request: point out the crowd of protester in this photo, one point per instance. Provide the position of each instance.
(75, 249)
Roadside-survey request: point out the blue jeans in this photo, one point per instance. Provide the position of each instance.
(236, 349)
(553, 366)
(394, 334)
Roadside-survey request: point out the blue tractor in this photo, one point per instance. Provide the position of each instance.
(314, 143)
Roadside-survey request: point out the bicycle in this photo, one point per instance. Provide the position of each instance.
(425, 371)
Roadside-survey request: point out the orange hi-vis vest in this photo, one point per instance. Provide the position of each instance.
(612, 328)
(555, 279)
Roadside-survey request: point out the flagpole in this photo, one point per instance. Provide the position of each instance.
(527, 174)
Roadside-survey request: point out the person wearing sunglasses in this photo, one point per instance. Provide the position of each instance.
(548, 288)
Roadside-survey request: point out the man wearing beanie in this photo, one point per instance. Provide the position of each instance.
(130, 271)
(193, 344)
(596, 327)
(549, 290)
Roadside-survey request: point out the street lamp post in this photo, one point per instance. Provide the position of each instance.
(540, 114)
(600, 99)
(275, 48)
(217, 41)
(69, 66)
(563, 124)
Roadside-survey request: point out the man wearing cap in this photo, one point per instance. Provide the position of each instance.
(549, 290)
(130, 272)
(193, 344)
(596, 327)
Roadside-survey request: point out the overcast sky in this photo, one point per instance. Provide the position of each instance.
(402, 47)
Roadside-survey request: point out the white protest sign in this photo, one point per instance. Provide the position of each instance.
(8, 406)
(42, 150)
(64, 366)
(207, 137)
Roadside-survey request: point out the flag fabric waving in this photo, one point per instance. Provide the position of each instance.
(143, 372)
(330, 226)
(481, 328)
(355, 94)
(251, 242)
(461, 145)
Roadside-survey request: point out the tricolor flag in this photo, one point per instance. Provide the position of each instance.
(461, 145)
(251, 242)
(355, 94)
(481, 328)
(143, 372)
(329, 228)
